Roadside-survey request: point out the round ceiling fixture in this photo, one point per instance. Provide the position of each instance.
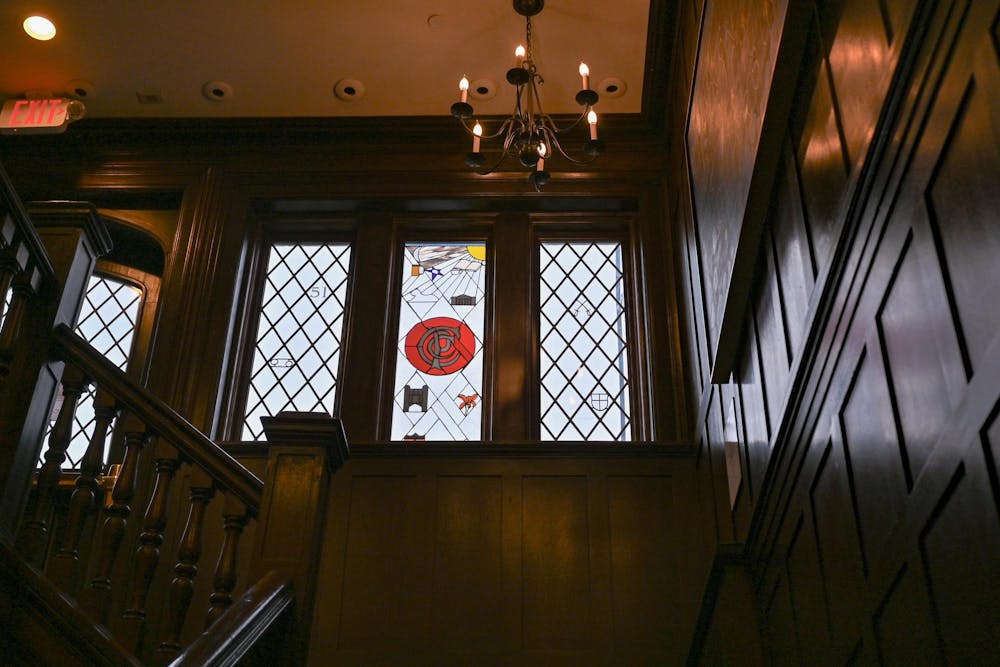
(612, 86)
(40, 28)
(349, 90)
(483, 89)
(217, 91)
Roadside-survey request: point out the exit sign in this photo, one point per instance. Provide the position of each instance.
(47, 116)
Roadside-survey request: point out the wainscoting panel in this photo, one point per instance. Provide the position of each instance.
(546, 559)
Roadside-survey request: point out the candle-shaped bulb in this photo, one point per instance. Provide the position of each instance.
(519, 54)
(542, 150)
(592, 119)
(585, 75)
(477, 133)
(463, 86)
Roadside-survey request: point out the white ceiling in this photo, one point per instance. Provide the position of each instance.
(285, 58)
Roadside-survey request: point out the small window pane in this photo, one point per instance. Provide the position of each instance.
(439, 361)
(301, 324)
(4, 306)
(107, 321)
(584, 353)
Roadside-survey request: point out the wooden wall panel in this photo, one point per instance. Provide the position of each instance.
(824, 167)
(860, 66)
(832, 508)
(964, 529)
(903, 628)
(739, 45)
(556, 563)
(962, 200)
(643, 565)
(912, 320)
(435, 558)
(381, 562)
(871, 442)
(792, 249)
(877, 522)
(805, 587)
(468, 562)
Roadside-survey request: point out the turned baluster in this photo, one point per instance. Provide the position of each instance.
(182, 587)
(62, 568)
(34, 535)
(234, 517)
(147, 556)
(23, 288)
(8, 269)
(97, 598)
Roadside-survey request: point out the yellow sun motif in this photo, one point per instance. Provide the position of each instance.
(477, 251)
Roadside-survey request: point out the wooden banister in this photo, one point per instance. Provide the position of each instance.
(11, 203)
(225, 471)
(227, 641)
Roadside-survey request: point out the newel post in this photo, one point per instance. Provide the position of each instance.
(305, 450)
(74, 237)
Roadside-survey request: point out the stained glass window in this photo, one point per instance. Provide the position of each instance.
(584, 354)
(107, 321)
(297, 357)
(439, 360)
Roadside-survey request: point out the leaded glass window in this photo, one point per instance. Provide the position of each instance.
(4, 306)
(583, 338)
(107, 321)
(439, 348)
(299, 334)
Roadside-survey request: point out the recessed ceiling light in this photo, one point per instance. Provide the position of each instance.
(40, 28)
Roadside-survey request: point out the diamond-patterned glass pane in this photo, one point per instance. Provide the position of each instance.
(107, 321)
(584, 352)
(439, 361)
(298, 337)
(4, 307)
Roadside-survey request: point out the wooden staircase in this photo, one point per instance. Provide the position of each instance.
(110, 570)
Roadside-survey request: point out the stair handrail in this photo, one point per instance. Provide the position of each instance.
(227, 472)
(26, 232)
(228, 640)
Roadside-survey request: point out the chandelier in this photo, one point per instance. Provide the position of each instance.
(529, 134)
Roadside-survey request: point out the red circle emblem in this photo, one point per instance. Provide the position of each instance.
(440, 346)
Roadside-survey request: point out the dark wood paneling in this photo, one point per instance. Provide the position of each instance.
(871, 443)
(556, 563)
(771, 335)
(793, 252)
(860, 65)
(731, 94)
(805, 585)
(643, 566)
(783, 642)
(823, 168)
(911, 320)
(833, 514)
(878, 519)
(380, 603)
(966, 530)
(468, 567)
(487, 559)
(903, 626)
(962, 200)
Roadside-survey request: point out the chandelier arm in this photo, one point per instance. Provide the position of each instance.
(504, 127)
(559, 148)
(503, 156)
(563, 130)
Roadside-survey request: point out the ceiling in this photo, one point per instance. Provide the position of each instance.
(284, 59)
